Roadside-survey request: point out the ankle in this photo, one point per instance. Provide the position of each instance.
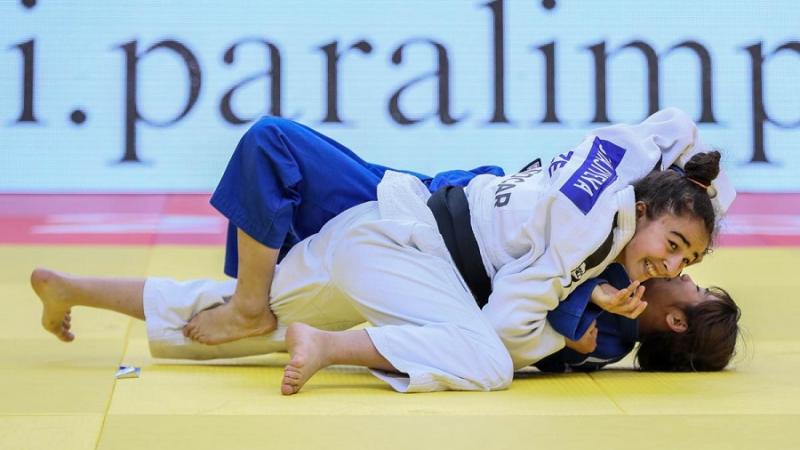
(249, 307)
(337, 347)
(326, 342)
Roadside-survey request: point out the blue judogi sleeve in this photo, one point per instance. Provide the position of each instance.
(616, 337)
(575, 314)
(284, 181)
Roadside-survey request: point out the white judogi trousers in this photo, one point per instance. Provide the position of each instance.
(360, 267)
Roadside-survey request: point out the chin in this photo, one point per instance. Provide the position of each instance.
(640, 276)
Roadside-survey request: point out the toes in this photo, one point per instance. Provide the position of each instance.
(198, 336)
(291, 375)
(287, 389)
(192, 331)
(291, 382)
(65, 336)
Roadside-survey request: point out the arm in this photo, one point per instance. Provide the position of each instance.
(573, 316)
(585, 344)
(672, 138)
(526, 289)
(572, 220)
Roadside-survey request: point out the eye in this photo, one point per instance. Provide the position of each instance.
(672, 245)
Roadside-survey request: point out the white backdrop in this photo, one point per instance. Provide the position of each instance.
(140, 96)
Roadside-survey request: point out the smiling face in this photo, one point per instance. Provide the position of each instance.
(663, 246)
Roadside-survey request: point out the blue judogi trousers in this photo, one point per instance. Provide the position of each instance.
(286, 180)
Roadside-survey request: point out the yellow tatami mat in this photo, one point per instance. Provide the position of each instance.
(65, 396)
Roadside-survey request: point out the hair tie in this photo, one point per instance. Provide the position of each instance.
(710, 190)
(702, 185)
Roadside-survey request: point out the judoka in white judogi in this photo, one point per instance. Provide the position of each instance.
(540, 233)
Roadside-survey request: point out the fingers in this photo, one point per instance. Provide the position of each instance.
(591, 344)
(635, 304)
(630, 291)
(633, 309)
(638, 311)
(629, 302)
(587, 343)
(610, 299)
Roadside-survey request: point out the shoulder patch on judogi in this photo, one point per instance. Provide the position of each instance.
(598, 172)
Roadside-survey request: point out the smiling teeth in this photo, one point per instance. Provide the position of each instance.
(650, 269)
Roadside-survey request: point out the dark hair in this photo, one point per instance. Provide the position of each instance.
(680, 192)
(708, 343)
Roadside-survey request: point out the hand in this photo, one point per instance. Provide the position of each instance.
(587, 343)
(625, 302)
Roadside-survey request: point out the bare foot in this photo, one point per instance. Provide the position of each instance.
(226, 323)
(309, 351)
(53, 290)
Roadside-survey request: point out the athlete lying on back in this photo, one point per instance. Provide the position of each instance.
(683, 328)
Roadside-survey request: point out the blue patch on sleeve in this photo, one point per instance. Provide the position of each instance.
(595, 174)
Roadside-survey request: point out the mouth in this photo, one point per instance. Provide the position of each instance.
(650, 269)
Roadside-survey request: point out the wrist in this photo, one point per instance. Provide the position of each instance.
(597, 293)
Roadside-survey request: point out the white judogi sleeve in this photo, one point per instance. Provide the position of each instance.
(541, 233)
(526, 289)
(673, 134)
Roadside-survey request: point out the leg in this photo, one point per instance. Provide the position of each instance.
(313, 349)
(427, 325)
(301, 292)
(60, 292)
(283, 182)
(246, 314)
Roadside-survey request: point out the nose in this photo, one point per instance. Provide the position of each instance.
(686, 278)
(674, 266)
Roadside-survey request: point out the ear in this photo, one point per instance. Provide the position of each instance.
(676, 320)
(641, 209)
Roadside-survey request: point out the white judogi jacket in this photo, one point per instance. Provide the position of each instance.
(544, 231)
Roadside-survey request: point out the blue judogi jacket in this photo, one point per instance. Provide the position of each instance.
(616, 335)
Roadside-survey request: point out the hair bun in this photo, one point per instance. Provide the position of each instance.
(703, 167)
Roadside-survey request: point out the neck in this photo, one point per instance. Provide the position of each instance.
(648, 321)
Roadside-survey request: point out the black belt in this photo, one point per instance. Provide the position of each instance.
(451, 210)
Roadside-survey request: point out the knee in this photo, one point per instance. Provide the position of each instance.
(496, 368)
(270, 128)
(504, 371)
(268, 145)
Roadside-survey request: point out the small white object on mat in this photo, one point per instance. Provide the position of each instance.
(128, 372)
